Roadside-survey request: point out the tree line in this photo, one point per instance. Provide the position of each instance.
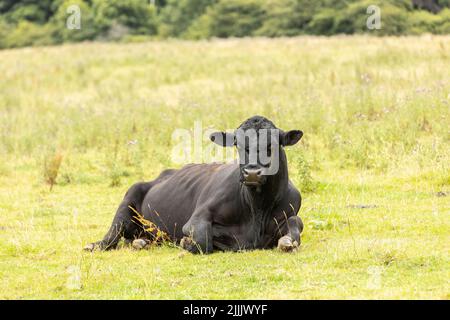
(44, 22)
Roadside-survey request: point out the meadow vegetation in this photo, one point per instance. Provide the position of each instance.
(80, 123)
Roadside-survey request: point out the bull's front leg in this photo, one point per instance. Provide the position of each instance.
(198, 236)
(291, 240)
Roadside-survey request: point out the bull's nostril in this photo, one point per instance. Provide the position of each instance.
(252, 176)
(252, 172)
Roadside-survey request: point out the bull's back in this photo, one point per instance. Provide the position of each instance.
(171, 201)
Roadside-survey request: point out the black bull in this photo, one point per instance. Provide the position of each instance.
(216, 206)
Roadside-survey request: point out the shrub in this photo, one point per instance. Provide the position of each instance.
(33, 11)
(323, 22)
(25, 34)
(394, 21)
(353, 19)
(282, 19)
(200, 28)
(88, 30)
(423, 21)
(28, 12)
(5, 30)
(137, 15)
(236, 18)
(178, 15)
(443, 26)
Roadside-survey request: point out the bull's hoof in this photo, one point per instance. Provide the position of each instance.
(140, 244)
(98, 246)
(90, 247)
(188, 244)
(286, 244)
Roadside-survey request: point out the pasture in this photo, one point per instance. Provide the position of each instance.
(373, 166)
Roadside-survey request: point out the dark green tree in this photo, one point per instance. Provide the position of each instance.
(236, 18)
(177, 15)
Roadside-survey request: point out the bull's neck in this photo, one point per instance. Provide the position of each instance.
(265, 197)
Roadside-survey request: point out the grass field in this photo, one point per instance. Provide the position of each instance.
(373, 166)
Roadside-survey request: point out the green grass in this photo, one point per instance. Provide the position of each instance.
(375, 112)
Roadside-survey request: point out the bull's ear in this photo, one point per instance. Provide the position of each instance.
(224, 139)
(290, 138)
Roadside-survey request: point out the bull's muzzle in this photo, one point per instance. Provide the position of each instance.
(252, 177)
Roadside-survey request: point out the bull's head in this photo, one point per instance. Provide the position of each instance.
(260, 146)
